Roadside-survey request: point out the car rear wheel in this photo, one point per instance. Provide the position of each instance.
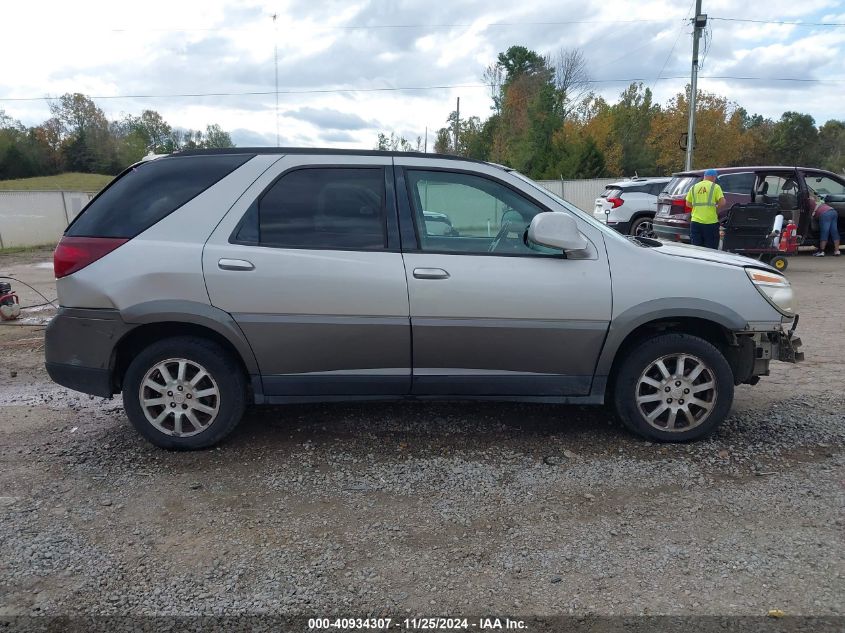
(184, 393)
(643, 227)
(674, 388)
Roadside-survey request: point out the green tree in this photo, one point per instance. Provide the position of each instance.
(795, 139)
(590, 161)
(394, 143)
(522, 136)
(518, 61)
(632, 119)
(443, 142)
(831, 147)
(87, 142)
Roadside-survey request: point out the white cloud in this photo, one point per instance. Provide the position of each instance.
(164, 47)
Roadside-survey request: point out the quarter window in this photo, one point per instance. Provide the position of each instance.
(679, 185)
(324, 208)
(149, 192)
(464, 213)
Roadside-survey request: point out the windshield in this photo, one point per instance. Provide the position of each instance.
(571, 208)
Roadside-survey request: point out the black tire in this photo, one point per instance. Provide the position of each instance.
(225, 374)
(639, 222)
(627, 388)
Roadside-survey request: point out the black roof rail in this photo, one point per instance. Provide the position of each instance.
(324, 151)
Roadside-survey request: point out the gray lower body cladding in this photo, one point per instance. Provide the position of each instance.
(79, 349)
(331, 357)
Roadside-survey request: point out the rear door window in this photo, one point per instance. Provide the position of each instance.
(736, 183)
(335, 208)
(149, 192)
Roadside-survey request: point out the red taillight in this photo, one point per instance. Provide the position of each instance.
(616, 202)
(75, 253)
(678, 206)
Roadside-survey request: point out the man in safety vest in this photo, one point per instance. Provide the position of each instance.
(706, 200)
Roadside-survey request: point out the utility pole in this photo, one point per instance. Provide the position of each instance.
(699, 22)
(276, 60)
(425, 147)
(457, 123)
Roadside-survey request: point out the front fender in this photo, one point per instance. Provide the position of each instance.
(661, 309)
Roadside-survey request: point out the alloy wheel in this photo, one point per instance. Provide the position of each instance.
(676, 393)
(179, 397)
(644, 229)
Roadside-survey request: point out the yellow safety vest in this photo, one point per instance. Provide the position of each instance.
(703, 198)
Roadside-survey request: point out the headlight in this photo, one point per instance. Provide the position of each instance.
(775, 288)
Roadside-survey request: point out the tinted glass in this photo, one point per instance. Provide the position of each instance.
(149, 192)
(657, 187)
(484, 216)
(736, 183)
(332, 208)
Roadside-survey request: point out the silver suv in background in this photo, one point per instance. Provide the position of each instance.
(629, 206)
(200, 282)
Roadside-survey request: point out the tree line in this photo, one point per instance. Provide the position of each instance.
(78, 137)
(546, 123)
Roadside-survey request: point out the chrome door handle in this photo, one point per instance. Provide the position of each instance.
(430, 273)
(235, 264)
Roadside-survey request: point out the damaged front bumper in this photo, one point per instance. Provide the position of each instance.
(752, 352)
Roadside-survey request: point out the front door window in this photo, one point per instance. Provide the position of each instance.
(464, 213)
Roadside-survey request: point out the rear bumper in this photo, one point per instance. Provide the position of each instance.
(671, 232)
(96, 382)
(623, 227)
(79, 349)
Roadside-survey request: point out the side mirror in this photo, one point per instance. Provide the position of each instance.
(556, 230)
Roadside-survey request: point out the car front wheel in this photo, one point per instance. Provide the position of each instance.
(674, 388)
(184, 393)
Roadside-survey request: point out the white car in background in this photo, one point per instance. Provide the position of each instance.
(629, 206)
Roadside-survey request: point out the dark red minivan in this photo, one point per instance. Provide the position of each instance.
(786, 186)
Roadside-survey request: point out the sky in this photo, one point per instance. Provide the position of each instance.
(349, 69)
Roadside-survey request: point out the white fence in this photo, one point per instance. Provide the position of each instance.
(29, 218)
(581, 193)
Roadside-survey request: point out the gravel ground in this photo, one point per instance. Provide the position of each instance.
(427, 509)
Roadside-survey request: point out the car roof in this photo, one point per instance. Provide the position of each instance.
(639, 181)
(330, 151)
(740, 170)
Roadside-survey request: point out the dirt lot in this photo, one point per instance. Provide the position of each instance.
(427, 509)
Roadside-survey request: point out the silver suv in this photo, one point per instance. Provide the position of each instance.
(199, 282)
(629, 206)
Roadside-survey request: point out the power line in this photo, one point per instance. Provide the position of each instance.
(362, 27)
(786, 22)
(414, 88)
(672, 50)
